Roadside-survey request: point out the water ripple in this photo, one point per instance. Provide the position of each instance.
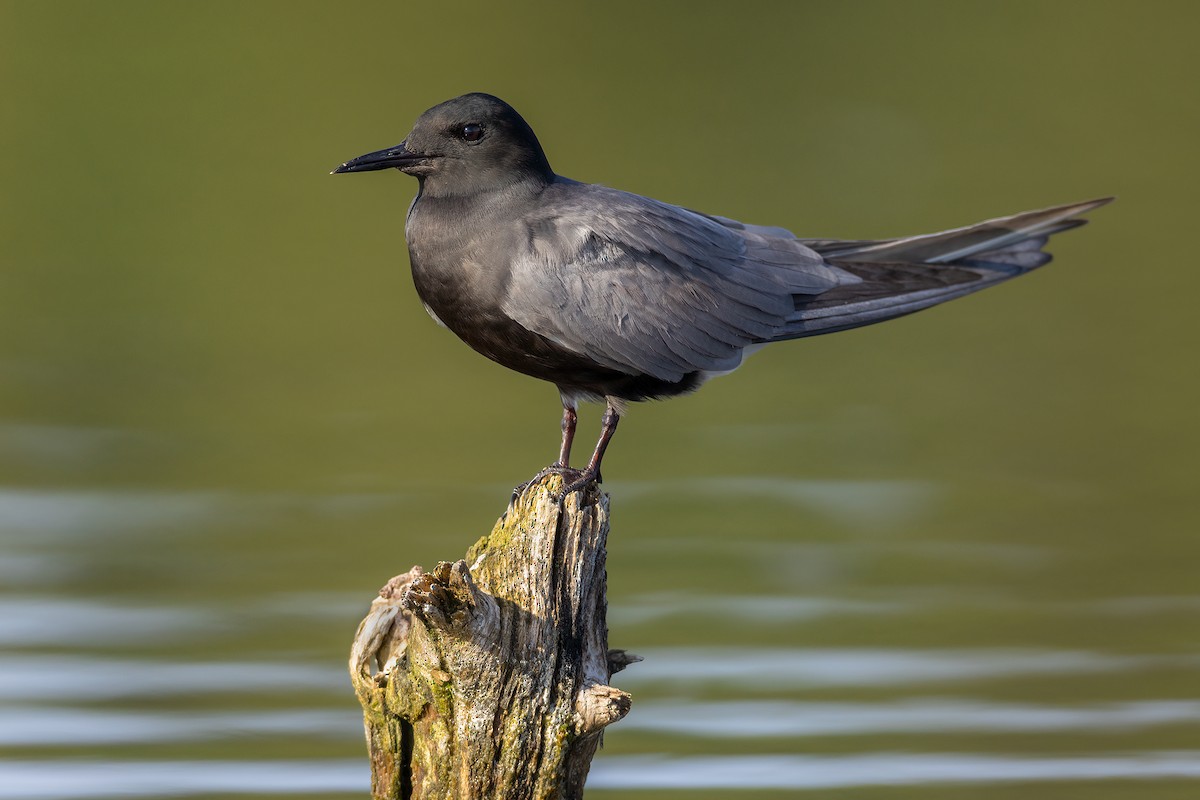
(873, 504)
(27, 726)
(74, 780)
(47, 620)
(28, 678)
(765, 609)
(722, 720)
(83, 780)
(877, 769)
(778, 667)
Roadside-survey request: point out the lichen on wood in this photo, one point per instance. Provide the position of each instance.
(487, 678)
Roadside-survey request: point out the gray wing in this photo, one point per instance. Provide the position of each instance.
(644, 287)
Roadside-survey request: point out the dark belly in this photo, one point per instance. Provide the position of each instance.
(489, 331)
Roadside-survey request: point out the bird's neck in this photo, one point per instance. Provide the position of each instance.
(507, 187)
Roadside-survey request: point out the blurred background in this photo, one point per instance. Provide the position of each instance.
(953, 556)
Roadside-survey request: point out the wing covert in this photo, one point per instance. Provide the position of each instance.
(644, 287)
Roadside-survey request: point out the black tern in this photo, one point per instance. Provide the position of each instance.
(617, 297)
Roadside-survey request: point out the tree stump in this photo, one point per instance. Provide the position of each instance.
(487, 679)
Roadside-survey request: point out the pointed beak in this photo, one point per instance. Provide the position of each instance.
(399, 157)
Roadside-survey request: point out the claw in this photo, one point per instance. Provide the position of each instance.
(575, 480)
(586, 479)
(568, 474)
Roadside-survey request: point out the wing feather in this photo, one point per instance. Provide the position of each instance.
(644, 287)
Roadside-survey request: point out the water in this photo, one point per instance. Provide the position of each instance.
(953, 556)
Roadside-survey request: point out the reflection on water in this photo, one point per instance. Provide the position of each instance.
(747, 609)
(47, 725)
(865, 667)
(75, 781)
(792, 718)
(50, 620)
(883, 769)
(33, 677)
(58, 780)
(857, 503)
(43, 513)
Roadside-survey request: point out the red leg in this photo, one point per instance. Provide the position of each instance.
(568, 435)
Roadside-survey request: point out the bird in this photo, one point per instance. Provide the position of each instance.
(616, 298)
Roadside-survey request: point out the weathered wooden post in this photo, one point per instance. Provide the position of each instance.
(487, 679)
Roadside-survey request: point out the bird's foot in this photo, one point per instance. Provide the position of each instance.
(574, 480)
(582, 480)
(568, 474)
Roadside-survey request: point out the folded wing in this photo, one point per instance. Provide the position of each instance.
(648, 288)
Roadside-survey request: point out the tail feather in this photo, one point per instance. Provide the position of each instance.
(894, 277)
(948, 246)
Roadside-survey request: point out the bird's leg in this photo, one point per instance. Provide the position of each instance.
(609, 427)
(568, 436)
(563, 465)
(592, 473)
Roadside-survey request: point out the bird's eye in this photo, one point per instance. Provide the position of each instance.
(471, 132)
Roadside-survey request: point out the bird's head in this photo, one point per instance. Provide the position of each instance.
(466, 145)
